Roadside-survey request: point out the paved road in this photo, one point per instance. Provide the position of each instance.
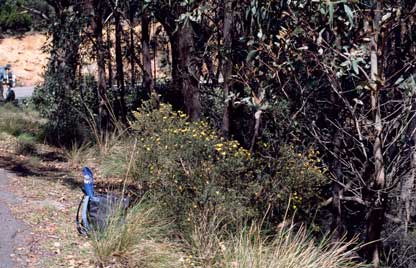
(23, 92)
(12, 231)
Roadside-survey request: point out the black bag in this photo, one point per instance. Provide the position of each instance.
(97, 211)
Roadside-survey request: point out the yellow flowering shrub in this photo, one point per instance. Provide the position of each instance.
(188, 168)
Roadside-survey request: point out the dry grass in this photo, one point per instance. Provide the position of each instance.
(289, 249)
(136, 240)
(77, 154)
(211, 246)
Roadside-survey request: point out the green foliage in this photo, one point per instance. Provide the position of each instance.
(59, 97)
(26, 144)
(305, 65)
(13, 19)
(16, 121)
(189, 169)
(63, 126)
(76, 154)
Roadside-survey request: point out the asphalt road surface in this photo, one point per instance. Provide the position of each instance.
(23, 92)
(12, 231)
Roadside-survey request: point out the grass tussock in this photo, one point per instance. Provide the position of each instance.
(16, 121)
(288, 249)
(136, 240)
(77, 154)
(140, 242)
(213, 245)
(25, 144)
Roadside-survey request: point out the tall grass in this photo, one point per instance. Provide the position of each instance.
(139, 240)
(16, 121)
(289, 249)
(136, 240)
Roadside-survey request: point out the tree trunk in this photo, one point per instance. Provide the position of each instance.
(1, 91)
(189, 71)
(257, 117)
(378, 203)
(337, 226)
(148, 83)
(228, 65)
(185, 63)
(407, 182)
(132, 50)
(122, 110)
(109, 58)
(97, 29)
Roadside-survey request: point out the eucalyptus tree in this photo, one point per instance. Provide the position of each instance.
(56, 98)
(96, 10)
(179, 22)
(342, 66)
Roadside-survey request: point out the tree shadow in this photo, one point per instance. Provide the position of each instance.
(26, 168)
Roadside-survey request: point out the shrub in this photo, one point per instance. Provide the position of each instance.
(189, 169)
(12, 19)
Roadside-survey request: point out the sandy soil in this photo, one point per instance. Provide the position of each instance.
(25, 55)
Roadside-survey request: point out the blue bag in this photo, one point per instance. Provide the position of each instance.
(96, 209)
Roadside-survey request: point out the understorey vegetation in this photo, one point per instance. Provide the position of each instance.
(237, 120)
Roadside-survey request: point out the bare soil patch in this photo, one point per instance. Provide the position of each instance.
(49, 195)
(25, 55)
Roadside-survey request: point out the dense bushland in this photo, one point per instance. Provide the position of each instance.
(320, 93)
(190, 169)
(201, 193)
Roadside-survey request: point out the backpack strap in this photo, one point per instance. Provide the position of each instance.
(82, 226)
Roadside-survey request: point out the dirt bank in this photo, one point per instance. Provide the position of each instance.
(25, 55)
